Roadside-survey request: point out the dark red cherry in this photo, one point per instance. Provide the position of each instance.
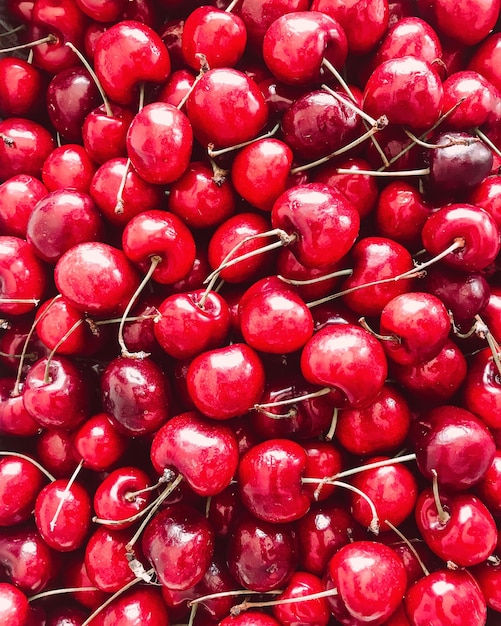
(106, 563)
(104, 134)
(56, 452)
(481, 389)
(204, 452)
(487, 576)
(24, 146)
(142, 606)
(99, 444)
(15, 610)
(315, 611)
(107, 11)
(20, 482)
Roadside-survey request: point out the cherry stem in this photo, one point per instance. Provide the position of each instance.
(292, 412)
(357, 470)
(383, 173)
(93, 74)
(415, 272)
(119, 206)
(409, 545)
(285, 240)
(35, 301)
(112, 598)
(329, 436)
(379, 124)
(231, 6)
(308, 166)
(166, 477)
(244, 606)
(482, 330)
(227, 594)
(215, 153)
(46, 377)
(49, 39)
(62, 500)
(204, 68)
(481, 135)
(424, 144)
(193, 614)
(443, 515)
(32, 461)
(12, 31)
(153, 510)
(317, 279)
(56, 592)
(307, 396)
(155, 260)
(363, 323)
(116, 320)
(329, 67)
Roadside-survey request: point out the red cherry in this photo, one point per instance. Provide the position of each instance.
(481, 389)
(127, 54)
(18, 195)
(204, 452)
(21, 88)
(68, 166)
(142, 606)
(104, 134)
(24, 146)
(99, 444)
(20, 482)
(315, 611)
(102, 11)
(485, 59)
(15, 609)
(106, 563)
(479, 99)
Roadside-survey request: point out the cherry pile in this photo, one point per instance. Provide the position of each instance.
(250, 305)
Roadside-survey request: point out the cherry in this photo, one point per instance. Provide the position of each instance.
(367, 569)
(179, 534)
(26, 559)
(219, 92)
(76, 577)
(481, 389)
(20, 482)
(18, 195)
(474, 225)
(24, 146)
(315, 611)
(273, 318)
(143, 606)
(61, 220)
(136, 395)
(249, 618)
(63, 515)
(127, 54)
(107, 11)
(14, 418)
(296, 44)
(104, 133)
(200, 198)
(319, 215)
(392, 90)
(159, 143)
(341, 357)
(477, 98)
(56, 451)
(410, 36)
(180, 314)
(487, 577)
(261, 556)
(105, 561)
(453, 596)
(21, 88)
(120, 193)
(460, 530)
(416, 326)
(226, 382)
(122, 494)
(364, 23)
(99, 444)
(161, 234)
(96, 278)
(204, 452)
(485, 196)
(220, 36)
(23, 276)
(68, 166)
(14, 607)
(269, 479)
(485, 59)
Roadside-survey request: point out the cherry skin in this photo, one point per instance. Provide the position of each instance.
(121, 495)
(289, 37)
(61, 220)
(392, 87)
(218, 93)
(487, 577)
(416, 325)
(201, 199)
(315, 612)
(105, 561)
(14, 606)
(63, 527)
(24, 147)
(190, 323)
(481, 389)
(485, 195)
(485, 59)
(159, 143)
(179, 533)
(364, 23)
(475, 225)
(467, 537)
(21, 88)
(341, 357)
(136, 395)
(249, 618)
(99, 444)
(104, 135)
(76, 577)
(204, 452)
(20, 482)
(14, 418)
(55, 450)
(107, 11)
(18, 196)
(142, 606)
(96, 278)
(377, 428)
(226, 382)
(22, 274)
(127, 54)
(319, 215)
(367, 569)
(479, 95)
(119, 205)
(448, 595)
(160, 233)
(261, 556)
(273, 318)
(220, 36)
(269, 479)
(68, 166)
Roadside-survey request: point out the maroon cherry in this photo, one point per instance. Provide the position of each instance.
(55, 450)
(204, 452)
(127, 54)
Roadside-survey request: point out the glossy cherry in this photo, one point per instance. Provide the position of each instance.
(24, 147)
(20, 482)
(18, 195)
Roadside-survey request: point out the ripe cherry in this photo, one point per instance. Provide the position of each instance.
(18, 195)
